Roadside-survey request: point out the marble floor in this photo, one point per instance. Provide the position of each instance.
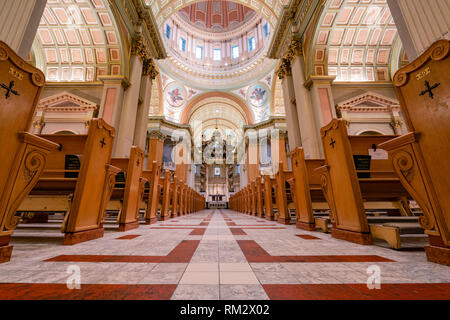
(215, 254)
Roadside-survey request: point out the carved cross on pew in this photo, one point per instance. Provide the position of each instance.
(429, 89)
(332, 143)
(9, 90)
(103, 143)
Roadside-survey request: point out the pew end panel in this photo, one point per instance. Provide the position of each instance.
(23, 154)
(284, 216)
(94, 187)
(129, 215)
(304, 210)
(151, 215)
(420, 157)
(341, 187)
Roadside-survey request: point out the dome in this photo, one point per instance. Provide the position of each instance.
(216, 43)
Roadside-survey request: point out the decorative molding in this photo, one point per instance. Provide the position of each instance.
(139, 48)
(149, 69)
(381, 104)
(284, 69)
(157, 47)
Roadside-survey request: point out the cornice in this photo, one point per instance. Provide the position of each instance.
(152, 34)
(292, 24)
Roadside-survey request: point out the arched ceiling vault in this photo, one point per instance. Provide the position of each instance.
(355, 40)
(78, 40)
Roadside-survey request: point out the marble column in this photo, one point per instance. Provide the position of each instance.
(278, 147)
(306, 114)
(19, 21)
(322, 102)
(125, 133)
(420, 23)
(112, 98)
(284, 73)
(149, 73)
(252, 157)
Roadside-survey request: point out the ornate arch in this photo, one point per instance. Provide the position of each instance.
(244, 109)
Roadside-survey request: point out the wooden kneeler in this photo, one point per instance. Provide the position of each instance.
(129, 197)
(23, 154)
(82, 197)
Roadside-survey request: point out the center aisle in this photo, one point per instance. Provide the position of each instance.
(218, 254)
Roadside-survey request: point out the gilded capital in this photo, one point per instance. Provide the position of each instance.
(149, 69)
(284, 69)
(156, 135)
(138, 48)
(295, 49)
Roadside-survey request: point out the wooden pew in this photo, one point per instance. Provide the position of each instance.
(82, 194)
(308, 191)
(127, 196)
(166, 193)
(151, 194)
(23, 154)
(253, 198)
(176, 185)
(259, 197)
(283, 194)
(421, 156)
(345, 191)
(269, 197)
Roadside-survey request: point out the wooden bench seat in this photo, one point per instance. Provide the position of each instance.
(81, 194)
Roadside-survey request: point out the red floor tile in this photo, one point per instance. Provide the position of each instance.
(398, 291)
(129, 237)
(198, 232)
(45, 291)
(307, 237)
(237, 232)
(255, 253)
(180, 254)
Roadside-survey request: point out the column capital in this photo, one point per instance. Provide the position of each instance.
(294, 50)
(319, 80)
(396, 123)
(156, 135)
(149, 69)
(284, 69)
(139, 48)
(115, 80)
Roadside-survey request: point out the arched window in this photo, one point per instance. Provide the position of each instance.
(370, 133)
(66, 132)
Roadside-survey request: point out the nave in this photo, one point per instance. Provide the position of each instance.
(216, 254)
